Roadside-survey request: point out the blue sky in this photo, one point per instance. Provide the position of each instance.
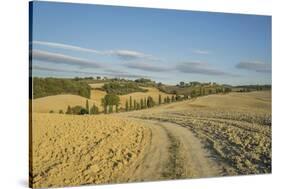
(168, 46)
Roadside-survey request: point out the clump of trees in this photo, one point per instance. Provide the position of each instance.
(109, 101)
(80, 110)
(121, 88)
(54, 86)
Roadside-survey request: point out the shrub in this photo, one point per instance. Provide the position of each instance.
(79, 110)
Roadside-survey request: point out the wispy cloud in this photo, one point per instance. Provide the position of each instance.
(130, 55)
(200, 68)
(65, 46)
(146, 67)
(122, 54)
(256, 66)
(63, 59)
(202, 52)
(111, 74)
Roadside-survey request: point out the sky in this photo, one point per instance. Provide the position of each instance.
(168, 46)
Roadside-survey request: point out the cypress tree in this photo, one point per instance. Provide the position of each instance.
(141, 104)
(135, 104)
(131, 103)
(68, 111)
(159, 99)
(87, 106)
(168, 99)
(145, 103)
(173, 98)
(127, 106)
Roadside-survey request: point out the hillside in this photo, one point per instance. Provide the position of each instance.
(60, 102)
(53, 86)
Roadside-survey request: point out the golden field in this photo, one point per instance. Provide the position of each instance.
(215, 135)
(236, 128)
(76, 150)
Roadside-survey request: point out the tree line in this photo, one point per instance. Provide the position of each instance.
(111, 102)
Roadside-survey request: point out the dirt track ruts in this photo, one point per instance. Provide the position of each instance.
(174, 153)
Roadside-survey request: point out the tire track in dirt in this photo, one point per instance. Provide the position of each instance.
(174, 153)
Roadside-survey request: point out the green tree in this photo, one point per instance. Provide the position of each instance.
(173, 98)
(142, 104)
(160, 99)
(150, 102)
(193, 93)
(182, 84)
(79, 110)
(87, 106)
(110, 100)
(145, 103)
(138, 106)
(68, 111)
(83, 111)
(94, 109)
(131, 103)
(227, 90)
(110, 109)
(104, 104)
(61, 112)
(127, 106)
(135, 104)
(168, 99)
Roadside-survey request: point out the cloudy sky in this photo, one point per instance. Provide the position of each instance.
(168, 46)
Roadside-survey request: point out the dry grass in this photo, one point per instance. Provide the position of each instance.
(76, 150)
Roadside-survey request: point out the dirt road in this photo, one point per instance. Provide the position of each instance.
(174, 153)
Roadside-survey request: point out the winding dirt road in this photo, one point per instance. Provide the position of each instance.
(174, 153)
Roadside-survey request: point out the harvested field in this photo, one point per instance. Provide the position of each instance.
(74, 150)
(236, 128)
(215, 135)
